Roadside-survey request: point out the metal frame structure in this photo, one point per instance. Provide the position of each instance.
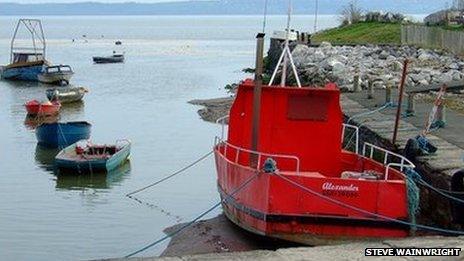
(286, 56)
(34, 26)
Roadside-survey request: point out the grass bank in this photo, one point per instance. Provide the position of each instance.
(361, 33)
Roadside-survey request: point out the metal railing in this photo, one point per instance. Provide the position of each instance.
(222, 121)
(399, 161)
(219, 142)
(356, 134)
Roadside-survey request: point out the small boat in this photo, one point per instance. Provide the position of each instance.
(115, 58)
(62, 134)
(84, 156)
(56, 74)
(26, 63)
(66, 95)
(34, 107)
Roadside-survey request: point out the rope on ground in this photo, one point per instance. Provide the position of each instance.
(172, 175)
(365, 212)
(248, 181)
(383, 107)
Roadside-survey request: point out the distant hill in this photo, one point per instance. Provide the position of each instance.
(214, 7)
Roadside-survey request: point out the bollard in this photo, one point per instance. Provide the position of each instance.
(356, 85)
(370, 90)
(388, 93)
(441, 114)
(411, 105)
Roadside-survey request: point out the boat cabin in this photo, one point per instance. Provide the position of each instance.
(58, 69)
(27, 57)
(303, 129)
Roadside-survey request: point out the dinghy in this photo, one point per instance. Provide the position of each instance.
(115, 58)
(34, 107)
(66, 95)
(56, 74)
(85, 156)
(62, 134)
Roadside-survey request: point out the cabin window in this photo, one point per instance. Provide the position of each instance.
(310, 108)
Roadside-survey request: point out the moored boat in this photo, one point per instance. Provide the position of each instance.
(283, 173)
(62, 134)
(34, 107)
(26, 63)
(115, 58)
(66, 95)
(84, 156)
(56, 74)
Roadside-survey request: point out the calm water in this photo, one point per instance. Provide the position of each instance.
(170, 60)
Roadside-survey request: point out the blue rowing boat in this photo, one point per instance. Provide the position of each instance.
(62, 134)
(86, 157)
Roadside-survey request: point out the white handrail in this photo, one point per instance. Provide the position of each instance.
(222, 122)
(356, 129)
(219, 141)
(404, 162)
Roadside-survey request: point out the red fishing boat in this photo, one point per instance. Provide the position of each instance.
(35, 107)
(305, 187)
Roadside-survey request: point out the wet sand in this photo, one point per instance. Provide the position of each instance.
(217, 235)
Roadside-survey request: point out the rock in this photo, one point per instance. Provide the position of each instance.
(384, 55)
(443, 78)
(424, 57)
(325, 45)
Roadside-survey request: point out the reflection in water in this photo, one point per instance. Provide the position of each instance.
(32, 121)
(95, 180)
(73, 108)
(45, 157)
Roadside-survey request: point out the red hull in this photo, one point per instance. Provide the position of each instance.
(272, 205)
(34, 107)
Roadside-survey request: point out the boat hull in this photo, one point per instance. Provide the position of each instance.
(62, 161)
(24, 72)
(56, 135)
(36, 108)
(270, 206)
(108, 59)
(66, 95)
(55, 78)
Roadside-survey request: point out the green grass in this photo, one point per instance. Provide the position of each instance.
(362, 33)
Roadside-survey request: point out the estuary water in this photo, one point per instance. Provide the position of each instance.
(169, 61)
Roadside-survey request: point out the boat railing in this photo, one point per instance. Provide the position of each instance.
(260, 155)
(355, 134)
(222, 121)
(390, 159)
(123, 141)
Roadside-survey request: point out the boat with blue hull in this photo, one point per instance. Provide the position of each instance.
(26, 63)
(62, 134)
(86, 157)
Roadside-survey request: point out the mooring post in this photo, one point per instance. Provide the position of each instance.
(257, 98)
(411, 104)
(441, 113)
(400, 100)
(356, 85)
(370, 90)
(388, 93)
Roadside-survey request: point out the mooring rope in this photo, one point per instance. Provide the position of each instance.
(362, 211)
(172, 175)
(248, 181)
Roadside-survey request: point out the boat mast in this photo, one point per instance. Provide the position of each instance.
(316, 12)
(286, 56)
(34, 26)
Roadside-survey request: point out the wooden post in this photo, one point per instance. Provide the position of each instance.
(411, 104)
(370, 90)
(356, 86)
(400, 100)
(257, 98)
(388, 93)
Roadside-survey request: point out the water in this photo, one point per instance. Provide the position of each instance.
(169, 61)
